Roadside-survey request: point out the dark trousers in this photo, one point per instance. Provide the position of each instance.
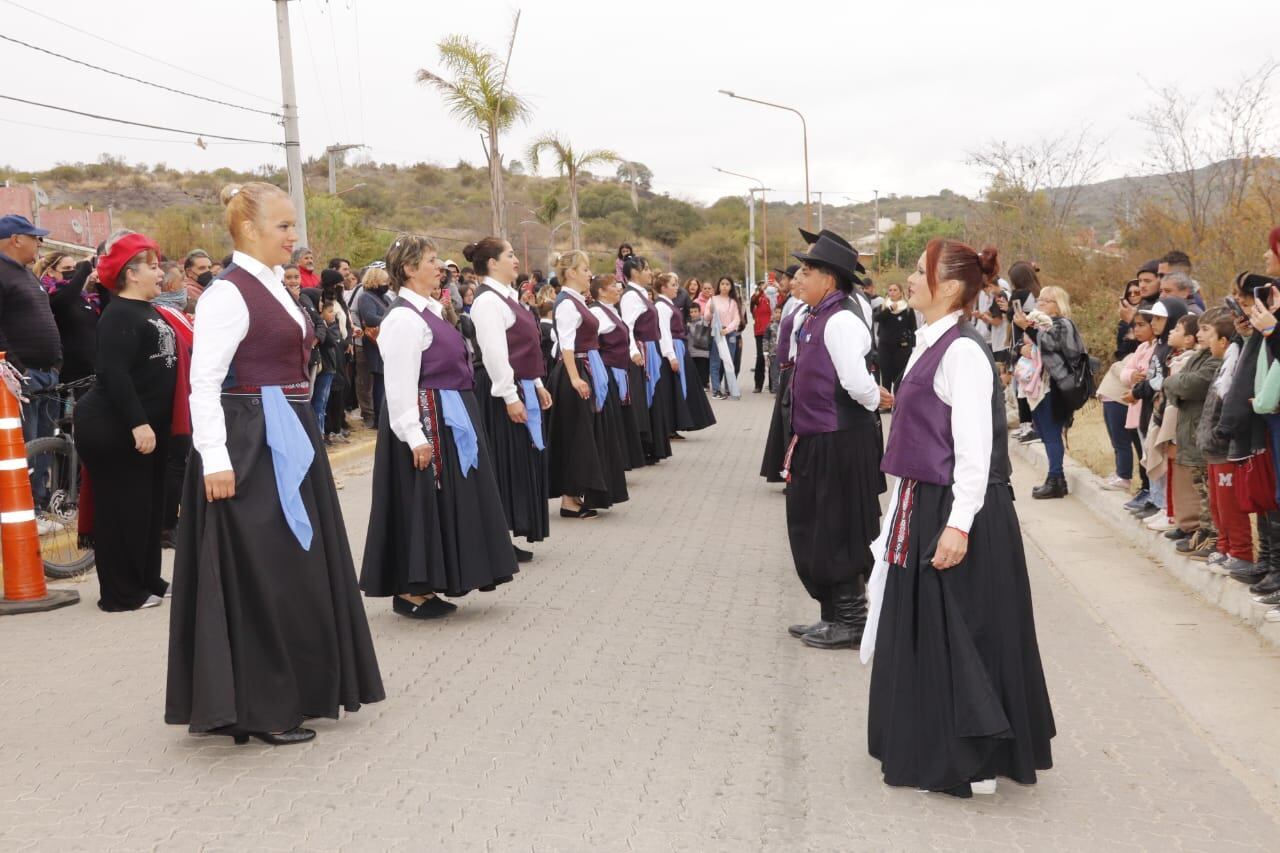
(128, 511)
(1124, 442)
(1024, 411)
(379, 392)
(1050, 430)
(703, 363)
(174, 470)
(759, 376)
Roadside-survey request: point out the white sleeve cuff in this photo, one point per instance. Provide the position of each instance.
(215, 460)
(416, 438)
(511, 397)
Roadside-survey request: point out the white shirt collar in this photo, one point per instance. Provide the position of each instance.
(499, 286)
(267, 275)
(574, 294)
(929, 334)
(435, 305)
(417, 300)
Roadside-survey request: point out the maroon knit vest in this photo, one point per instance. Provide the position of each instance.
(647, 323)
(275, 351)
(588, 336)
(524, 339)
(677, 322)
(615, 344)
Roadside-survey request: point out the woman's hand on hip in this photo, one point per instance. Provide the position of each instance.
(220, 486)
(952, 546)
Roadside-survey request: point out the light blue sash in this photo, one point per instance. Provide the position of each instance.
(622, 377)
(652, 368)
(684, 389)
(291, 458)
(599, 377)
(533, 411)
(463, 431)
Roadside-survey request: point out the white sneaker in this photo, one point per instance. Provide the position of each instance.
(1159, 523)
(152, 601)
(1116, 484)
(44, 526)
(983, 786)
(1272, 615)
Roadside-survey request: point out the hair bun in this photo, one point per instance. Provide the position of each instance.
(988, 260)
(469, 252)
(229, 192)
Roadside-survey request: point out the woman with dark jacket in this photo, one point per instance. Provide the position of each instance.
(1026, 287)
(1125, 342)
(372, 306)
(1060, 347)
(122, 426)
(76, 305)
(896, 327)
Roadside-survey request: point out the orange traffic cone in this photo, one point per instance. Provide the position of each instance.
(24, 587)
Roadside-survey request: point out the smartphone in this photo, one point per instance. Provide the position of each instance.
(1236, 308)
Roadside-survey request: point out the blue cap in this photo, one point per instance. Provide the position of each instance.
(14, 224)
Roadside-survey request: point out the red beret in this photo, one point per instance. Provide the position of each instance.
(122, 251)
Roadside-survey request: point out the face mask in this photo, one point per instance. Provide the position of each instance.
(204, 278)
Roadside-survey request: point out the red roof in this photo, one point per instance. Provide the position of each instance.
(66, 225)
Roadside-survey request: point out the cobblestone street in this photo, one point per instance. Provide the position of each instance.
(635, 689)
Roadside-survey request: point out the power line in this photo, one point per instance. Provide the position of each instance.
(128, 49)
(337, 59)
(355, 11)
(97, 135)
(138, 79)
(315, 69)
(137, 123)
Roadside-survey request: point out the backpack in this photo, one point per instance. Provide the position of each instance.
(1079, 387)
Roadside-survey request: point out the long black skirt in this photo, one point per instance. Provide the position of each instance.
(662, 422)
(640, 407)
(429, 534)
(775, 446)
(518, 466)
(833, 507)
(691, 408)
(628, 423)
(957, 689)
(263, 633)
(584, 457)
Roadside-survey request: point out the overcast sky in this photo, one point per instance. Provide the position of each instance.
(895, 94)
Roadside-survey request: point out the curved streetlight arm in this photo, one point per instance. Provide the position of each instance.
(804, 128)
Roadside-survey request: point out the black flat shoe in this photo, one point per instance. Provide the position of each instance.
(522, 556)
(432, 608)
(289, 738)
(675, 436)
(577, 513)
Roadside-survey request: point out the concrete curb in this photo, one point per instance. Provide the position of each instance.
(352, 452)
(1226, 594)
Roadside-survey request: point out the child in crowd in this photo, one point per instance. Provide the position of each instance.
(1148, 380)
(1178, 483)
(546, 327)
(1235, 535)
(700, 343)
(1187, 390)
(1135, 365)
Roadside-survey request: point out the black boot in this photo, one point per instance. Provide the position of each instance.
(823, 621)
(845, 630)
(1054, 487)
(1266, 551)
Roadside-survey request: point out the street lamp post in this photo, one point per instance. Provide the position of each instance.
(804, 127)
(751, 225)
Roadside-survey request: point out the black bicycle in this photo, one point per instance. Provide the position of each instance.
(54, 467)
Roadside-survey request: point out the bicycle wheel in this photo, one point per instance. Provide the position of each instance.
(55, 485)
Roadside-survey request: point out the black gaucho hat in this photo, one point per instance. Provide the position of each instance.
(838, 257)
(811, 238)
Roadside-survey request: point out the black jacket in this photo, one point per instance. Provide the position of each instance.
(1245, 431)
(28, 333)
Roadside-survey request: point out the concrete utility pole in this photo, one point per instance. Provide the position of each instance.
(292, 141)
(333, 152)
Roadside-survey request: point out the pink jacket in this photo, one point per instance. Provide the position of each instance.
(1140, 357)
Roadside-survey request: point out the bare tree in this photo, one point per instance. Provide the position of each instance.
(1208, 156)
(1059, 167)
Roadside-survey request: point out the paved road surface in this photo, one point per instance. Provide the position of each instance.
(634, 689)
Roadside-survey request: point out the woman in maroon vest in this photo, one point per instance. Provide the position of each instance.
(641, 317)
(268, 628)
(690, 409)
(585, 452)
(957, 693)
(436, 524)
(616, 352)
(509, 385)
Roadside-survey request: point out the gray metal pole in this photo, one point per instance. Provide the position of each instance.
(292, 141)
(751, 241)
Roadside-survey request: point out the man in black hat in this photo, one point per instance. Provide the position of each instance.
(833, 464)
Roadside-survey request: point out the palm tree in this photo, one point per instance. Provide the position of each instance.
(478, 97)
(570, 164)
